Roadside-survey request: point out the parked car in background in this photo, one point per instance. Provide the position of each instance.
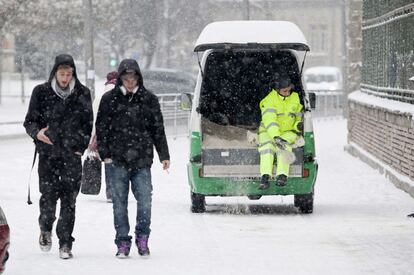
(4, 241)
(169, 85)
(168, 81)
(323, 78)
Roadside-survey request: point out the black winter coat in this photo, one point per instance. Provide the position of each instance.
(70, 120)
(128, 127)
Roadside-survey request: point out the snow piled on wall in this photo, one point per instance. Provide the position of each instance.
(383, 103)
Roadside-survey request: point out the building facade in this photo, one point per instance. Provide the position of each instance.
(7, 53)
(322, 22)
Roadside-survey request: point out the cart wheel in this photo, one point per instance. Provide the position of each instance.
(254, 197)
(304, 202)
(198, 203)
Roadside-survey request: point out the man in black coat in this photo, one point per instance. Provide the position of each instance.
(59, 120)
(128, 126)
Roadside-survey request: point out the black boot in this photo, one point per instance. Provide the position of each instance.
(264, 182)
(281, 180)
(411, 215)
(45, 241)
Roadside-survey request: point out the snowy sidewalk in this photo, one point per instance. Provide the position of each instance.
(359, 224)
(12, 113)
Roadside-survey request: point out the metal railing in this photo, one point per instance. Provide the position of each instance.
(175, 119)
(387, 49)
(170, 107)
(403, 95)
(329, 103)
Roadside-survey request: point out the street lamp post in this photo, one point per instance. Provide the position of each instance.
(1, 68)
(22, 91)
(246, 10)
(344, 6)
(89, 56)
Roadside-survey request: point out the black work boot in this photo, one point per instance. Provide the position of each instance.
(281, 180)
(65, 252)
(264, 182)
(45, 241)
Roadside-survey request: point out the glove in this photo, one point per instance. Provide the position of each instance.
(108, 160)
(251, 137)
(299, 126)
(280, 143)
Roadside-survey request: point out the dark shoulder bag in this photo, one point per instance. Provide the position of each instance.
(91, 174)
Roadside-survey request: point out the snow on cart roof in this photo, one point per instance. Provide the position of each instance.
(251, 34)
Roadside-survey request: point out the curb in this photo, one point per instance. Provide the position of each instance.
(13, 136)
(400, 181)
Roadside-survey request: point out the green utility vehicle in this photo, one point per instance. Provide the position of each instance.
(238, 63)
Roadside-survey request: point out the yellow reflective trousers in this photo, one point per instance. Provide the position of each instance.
(280, 117)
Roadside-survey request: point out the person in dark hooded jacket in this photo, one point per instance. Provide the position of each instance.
(59, 120)
(128, 126)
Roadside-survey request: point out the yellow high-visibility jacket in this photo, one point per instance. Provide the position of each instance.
(280, 117)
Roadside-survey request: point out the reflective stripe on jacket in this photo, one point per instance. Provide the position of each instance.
(280, 115)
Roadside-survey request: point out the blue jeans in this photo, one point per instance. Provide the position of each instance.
(108, 178)
(141, 187)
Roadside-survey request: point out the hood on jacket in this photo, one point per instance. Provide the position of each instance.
(63, 59)
(127, 65)
(281, 80)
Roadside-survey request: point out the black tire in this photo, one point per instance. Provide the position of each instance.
(254, 197)
(198, 203)
(304, 202)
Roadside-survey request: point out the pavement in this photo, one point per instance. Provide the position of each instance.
(12, 113)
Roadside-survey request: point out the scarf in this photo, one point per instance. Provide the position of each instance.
(63, 93)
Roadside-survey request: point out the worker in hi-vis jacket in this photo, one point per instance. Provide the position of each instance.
(281, 124)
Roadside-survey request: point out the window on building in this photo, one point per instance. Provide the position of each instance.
(318, 38)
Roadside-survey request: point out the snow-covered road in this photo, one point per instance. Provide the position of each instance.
(359, 223)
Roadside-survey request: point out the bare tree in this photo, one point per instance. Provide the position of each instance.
(44, 29)
(130, 25)
(10, 10)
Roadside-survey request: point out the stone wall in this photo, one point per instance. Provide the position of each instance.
(378, 133)
(385, 134)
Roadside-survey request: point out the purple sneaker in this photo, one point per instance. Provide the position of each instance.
(142, 244)
(123, 250)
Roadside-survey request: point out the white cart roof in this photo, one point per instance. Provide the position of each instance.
(251, 34)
